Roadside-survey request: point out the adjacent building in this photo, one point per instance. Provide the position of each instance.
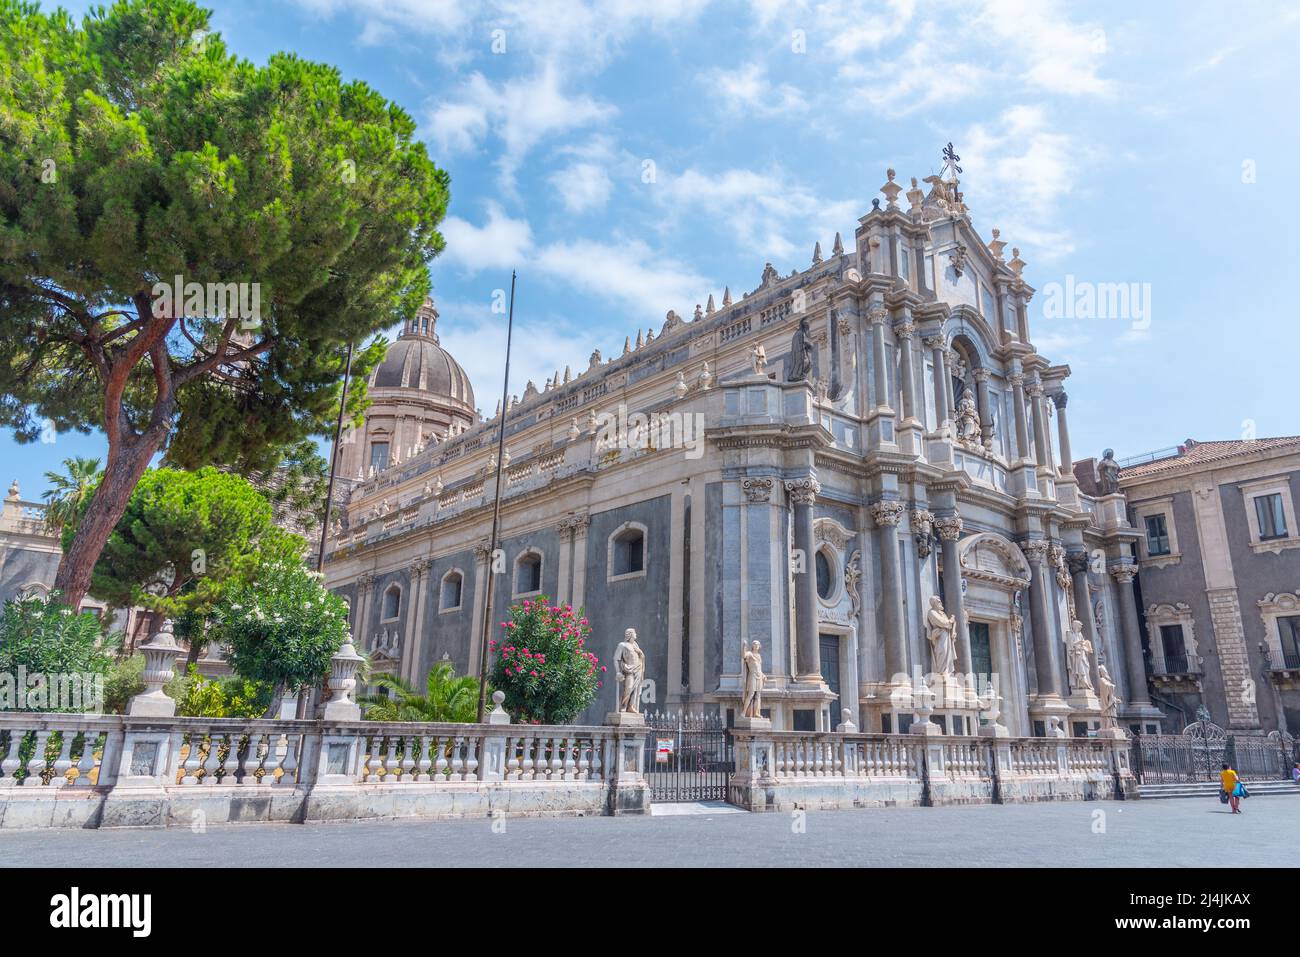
(1219, 581)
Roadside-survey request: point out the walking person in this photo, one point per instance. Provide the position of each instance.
(1295, 772)
(1231, 785)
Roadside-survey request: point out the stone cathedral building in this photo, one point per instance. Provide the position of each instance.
(805, 465)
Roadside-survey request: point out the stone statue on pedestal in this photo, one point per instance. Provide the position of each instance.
(801, 353)
(1080, 655)
(941, 629)
(1109, 700)
(758, 359)
(751, 670)
(1108, 473)
(629, 666)
(968, 418)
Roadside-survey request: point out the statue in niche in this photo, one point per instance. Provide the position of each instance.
(941, 629)
(1109, 700)
(968, 418)
(1108, 473)
(629, 665)
(1080, 655)
(751, 669)
(801, 353)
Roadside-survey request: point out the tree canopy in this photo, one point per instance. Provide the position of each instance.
(188, 241)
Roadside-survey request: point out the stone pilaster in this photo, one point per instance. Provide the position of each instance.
(1047, 656)
(1234, 663)
(413, 641)
(938, 355)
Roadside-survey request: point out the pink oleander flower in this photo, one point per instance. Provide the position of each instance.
(603, 669)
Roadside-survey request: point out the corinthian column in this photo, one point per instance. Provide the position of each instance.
(878, 319)
(886, 515)
(938, 355)
(1063, 434)
(1078, 564)
(802, 493)
(1132, 637)
(1017, 380)
(1040, 423)
(948, 528)
(904, 331)
(986, 410)
(1047, 658)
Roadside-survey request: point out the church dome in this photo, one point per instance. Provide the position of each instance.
(417, 361)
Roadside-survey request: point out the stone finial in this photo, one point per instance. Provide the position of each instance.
(568, 376)
(891, 191)
(838, 248)
(574, 430)
(627, 344)
(342, 682)
(706, 377)
(915, 197)
(726, 296)
(649, 336)
(681, 388)
(699, 313)
(14, 494)
(505, 457)
(437, 483)
(817, 253)
(846, 725)
(595, 359)
(709, 307)
(498, 714)
(996, 245)
(1017, 264)
(160, 654)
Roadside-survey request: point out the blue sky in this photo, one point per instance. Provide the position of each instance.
(1110, 142)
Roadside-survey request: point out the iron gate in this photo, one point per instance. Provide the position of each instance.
(1200, 751)
(687, 757)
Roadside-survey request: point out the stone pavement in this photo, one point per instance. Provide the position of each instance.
(1136, 833)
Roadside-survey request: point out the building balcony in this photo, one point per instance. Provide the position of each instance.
(1177, 673)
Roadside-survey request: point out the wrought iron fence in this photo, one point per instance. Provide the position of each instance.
(1200, 751)
(688, 757)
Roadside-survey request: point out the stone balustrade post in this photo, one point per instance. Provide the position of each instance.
(160, 654)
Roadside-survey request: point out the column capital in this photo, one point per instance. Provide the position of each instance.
(1059, 399)
(482, 551)
(948, 527)
(877, 315)
(802, 491)
(1035, 549)
(933, 342)
(757, 489)
(886, 512)
(981, 374)
(905, 329)
(1035, 389)
(1124, 572)
(1078, 562)
(420, 566)
(366, 580)
(1017, 380)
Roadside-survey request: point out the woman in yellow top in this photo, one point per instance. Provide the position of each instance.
(1229, 781)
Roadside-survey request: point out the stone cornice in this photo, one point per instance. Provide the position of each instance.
(774, 435)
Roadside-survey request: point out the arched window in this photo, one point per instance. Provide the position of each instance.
(450, 594)
(392, 602)
(627, 550)
(528, 573)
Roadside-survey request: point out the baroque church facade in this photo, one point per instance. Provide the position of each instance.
(808, 465)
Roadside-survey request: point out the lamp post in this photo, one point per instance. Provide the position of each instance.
(496, 513)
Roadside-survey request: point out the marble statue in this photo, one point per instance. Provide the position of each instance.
(1108, 473)
(941, 629)
(968, 418)
(629, 665)
(1080, 657)
(1109, 700)
(801, 353)
(751, 669)
(758, 357)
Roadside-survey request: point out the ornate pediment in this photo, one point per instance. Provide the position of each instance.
(992, 558)
(829, 530)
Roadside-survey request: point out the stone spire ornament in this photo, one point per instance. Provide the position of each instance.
(838, 248)
(627, 345)
(706, 377)
(726, 296)
(996, 245)
(574, 431)
(915, 197)
(817, 253)
(640, 340)
(891, 190)
(568, 376)
(709, 308)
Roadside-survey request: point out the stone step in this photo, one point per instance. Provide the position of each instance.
(1209, 789)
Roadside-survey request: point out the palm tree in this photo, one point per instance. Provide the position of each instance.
(447, 698)
(67, 493)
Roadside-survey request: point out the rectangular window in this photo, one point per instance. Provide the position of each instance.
(1288, 632)
(1157, 535)
(379, 456)
(1171, 642)
(989, 308)
(981, 650)
(1269, 514)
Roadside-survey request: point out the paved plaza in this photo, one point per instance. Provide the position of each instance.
(1176, 833)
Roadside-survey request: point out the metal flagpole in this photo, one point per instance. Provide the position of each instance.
(496, 515)
(334, 463)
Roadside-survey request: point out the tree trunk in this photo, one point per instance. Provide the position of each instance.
(125, 466)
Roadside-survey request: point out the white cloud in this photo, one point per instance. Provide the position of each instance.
(626, 272)
(1025, 170)
(748, 90)
(582, 187)
(769, 214)
(1060, 56)
(500, 243)
(520, 112)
